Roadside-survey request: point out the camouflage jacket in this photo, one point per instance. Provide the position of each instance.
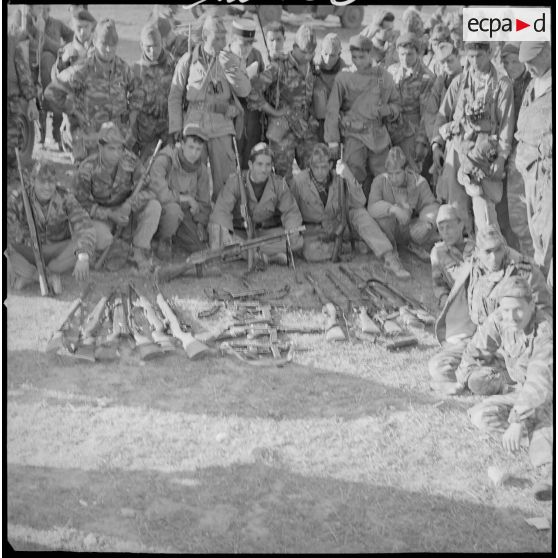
(170, 177)
(61, 218)
(97, 188)
(154, 81)
(446, 261)
(92, 92)
(19, 79)
(528, 357)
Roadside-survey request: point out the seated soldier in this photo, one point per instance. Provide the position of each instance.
(63, 226)
(403, 205)
(181, 183)
(471, 300)
(511, 358)
(270, 204)
(316, 192)
(448, 255)
(104, 183)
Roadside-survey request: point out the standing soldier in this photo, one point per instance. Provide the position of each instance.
(284, 91)
(275, 39)
(316, 192)
(511, 356)
(204, 91)
(153, 75)
(472, 299)
(361, 100)
(181, 183)
(100, 89)
(512, 211)
(64, 229)
(414, 82)
(326, 66)
(533, 156)
(381, 33)
(440, 34)
(476, 113)
(81, 46)
(104, 182)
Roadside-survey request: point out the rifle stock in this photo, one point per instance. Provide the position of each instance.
(344, 209)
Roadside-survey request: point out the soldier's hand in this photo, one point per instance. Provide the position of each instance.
(69, 54)
(202, 232)
(403, 216)
(228, 60)
(511, 438)
(121, 215)
(81, 269)
(32, 111)
(438, 157)
(497, 168)
(343, 170)
(191, 202)
(384, 111)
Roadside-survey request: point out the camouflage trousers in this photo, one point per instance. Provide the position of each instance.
(443, 365)
(177, 222)
(491, 415)
(290, 148)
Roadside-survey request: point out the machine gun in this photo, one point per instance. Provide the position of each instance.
(344, 225)
(195, 261)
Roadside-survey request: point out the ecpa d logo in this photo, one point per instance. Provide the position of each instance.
(506, 24)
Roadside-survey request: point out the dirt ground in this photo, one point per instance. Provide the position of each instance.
(343, 450)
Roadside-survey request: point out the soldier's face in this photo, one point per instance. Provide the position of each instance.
(105, 51)
(44, 188)
(451, 231)
(83, 30)
(479, 59)
(386, 32)
(516, 312)
(514, 68)
(241, 46)
(152, 48)
(303, 55)
(111, 153)
(492, 257)
(407, 56)
(540, 64)
(215, 41)
(192, 149)
(360, 58)
(275, 42)
(451, 65)
(329, 58)
(260, 168)
(320, 168)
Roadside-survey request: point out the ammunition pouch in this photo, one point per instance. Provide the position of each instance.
(359, 126)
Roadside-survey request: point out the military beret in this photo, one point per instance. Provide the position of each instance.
(332, 42)
(194, 130)
(305, 38)
(245, 28)
(150, 31)
(530, 49)
(471, 45)
(509, 48)
(513, 286)
(440, 32)
(109, 133)
(447, 212)
(444, 50)
(84, 15)
(490, 237)
(359, 42)
(106, 32)
(408, 39)
(396, 159)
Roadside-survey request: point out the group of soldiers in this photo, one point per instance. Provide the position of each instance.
(424, 142)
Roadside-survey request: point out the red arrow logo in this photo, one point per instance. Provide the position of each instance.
(519, 25)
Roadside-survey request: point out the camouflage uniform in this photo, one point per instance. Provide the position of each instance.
(325, 217)
(282, 84)
(414, 87)
(171, 176)
(352, 116)
(63, 227)
(275, 208)
(20, 89)
(92, 92)
(473, 109)
(210, 102)
(533, 159)
(525, 357)
(470, 301)
(153, 79)
(98, 190)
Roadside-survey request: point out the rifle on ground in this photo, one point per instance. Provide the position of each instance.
(141, 183)
(195, 260)
(46, 289)
(344, 225)
(332, 327)
(244, 209)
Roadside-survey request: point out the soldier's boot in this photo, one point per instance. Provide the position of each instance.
(419, 252)
(140, 257)
(164, 250)
(392, 263)
(542, 489)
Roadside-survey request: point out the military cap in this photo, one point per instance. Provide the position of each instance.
(478, 45)
(44, 170)
(440, 32)
(106, 32)
(194, 130)
(84, 15)
(305, 38)
(333, 42)
(245, 28)
(444, 50)
(359, 42)
(514, 286)
(509, 48)
(109, 133)
(396, 159)
(530, 49)
(447, 212)
(490, 237)
(408, 39)
(163, 25)
(150, 31)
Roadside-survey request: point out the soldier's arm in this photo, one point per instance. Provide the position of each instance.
(222, 213)
(356, 198)
(333, 109)
(393, 97)
(290, 213)
(446, 111)
(145, 194)
(238, 79)
(538, 285)
(427, 204)
(83, 194)
(177, 91)
(260, 84)
(506, 118)
(377, 206)
(16, 220)
(202, 197)
(158, 179)
(81, 226)
(440, 285)
(23, 72)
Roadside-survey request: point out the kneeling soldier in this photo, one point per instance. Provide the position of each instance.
(270, 204)
(64, 229)
(181, 183)
(103, 186)
(511, 358)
